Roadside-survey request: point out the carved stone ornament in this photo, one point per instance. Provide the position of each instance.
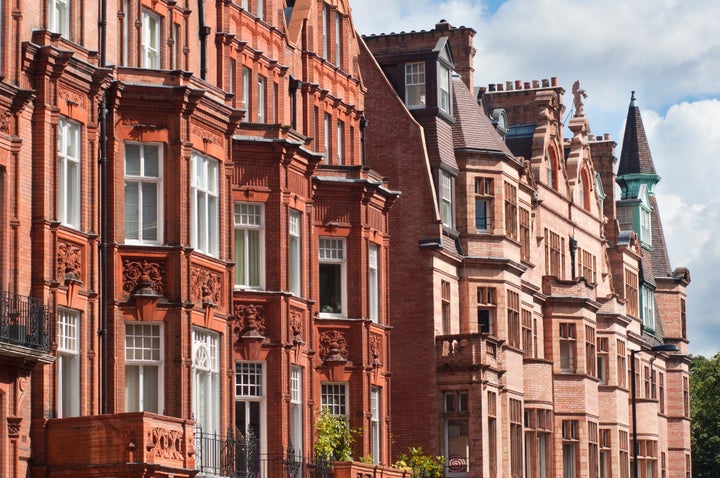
(578, 95)
(13, 426)
(5, 122)
(206, 286)
(138, 274)
(168, 444)
(333, 346)
(376, 350)
(69, 261)
(296, 327)
(73, 99)
(250, 321)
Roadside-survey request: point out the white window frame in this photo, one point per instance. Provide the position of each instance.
(647, 296)
(144, 357)
(246, 75)
(415, 80)
(296, 409)
(125, 32)
(231, 75)
(249, 219)
(326, 144)
(444, 91)
(374, 282)
(335, 398)
(206, 380)
(260, 7)
(340, 141)
(262, 94)
(375, 436)
(324, 14)
(338, 40)
(151, 32)
(446, 199)
(59, 17)
(295, 252)
(69, 172)
(250, 386)
(142, 179)
(205, 208)
(333, 251)
(645, 226)
(68, 363)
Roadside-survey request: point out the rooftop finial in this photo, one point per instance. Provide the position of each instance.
(632, 98)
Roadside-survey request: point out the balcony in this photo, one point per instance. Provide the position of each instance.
(136, 444)
(25, 327)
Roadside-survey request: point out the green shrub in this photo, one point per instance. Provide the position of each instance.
(334, 437)
(421, 465)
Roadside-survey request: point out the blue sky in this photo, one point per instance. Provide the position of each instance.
(668, 51)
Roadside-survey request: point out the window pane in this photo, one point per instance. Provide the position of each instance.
(151, 160)
(149, 211)
(132, 204)
(150, 389)
(132, 388)
(330, 288)
(132, 159)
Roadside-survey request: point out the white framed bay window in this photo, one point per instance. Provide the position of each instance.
(143, 368)
(334, 398)
(249, 245)
(205, 208)
(143, 193)
(333, 276)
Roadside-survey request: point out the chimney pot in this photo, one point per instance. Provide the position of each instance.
(499, 87)
(607, 136)
(527, 85)
(545, 82)
(509, 85)
(554, 80)
(536, 84)
(518, 85)
(491, 86)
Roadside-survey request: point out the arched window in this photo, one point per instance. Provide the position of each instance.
(552, 168)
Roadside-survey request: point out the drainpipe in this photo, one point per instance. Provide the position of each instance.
(363, 126)
(104, 218)
(573, 252)
(203, 33)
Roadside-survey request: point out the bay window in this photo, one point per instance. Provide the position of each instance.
(332, 276)
(69, 173)
(205, 211)
(249, 245)
(143, 368)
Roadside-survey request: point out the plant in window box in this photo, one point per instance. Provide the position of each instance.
(334, 437)
(421, 465)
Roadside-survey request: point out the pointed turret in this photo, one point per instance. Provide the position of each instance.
(635, 156)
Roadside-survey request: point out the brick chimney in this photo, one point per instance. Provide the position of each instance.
(461, 45)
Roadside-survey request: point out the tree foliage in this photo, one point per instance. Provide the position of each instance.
(705, 415)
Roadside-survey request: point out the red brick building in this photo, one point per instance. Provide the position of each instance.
(207, 252)
(522, 283)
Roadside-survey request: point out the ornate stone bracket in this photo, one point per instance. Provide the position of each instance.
(13, 426)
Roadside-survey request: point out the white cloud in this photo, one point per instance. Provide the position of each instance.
(665, 50)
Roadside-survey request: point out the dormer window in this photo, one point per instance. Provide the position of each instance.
(444, 88)
(446, 202)
(415, 85)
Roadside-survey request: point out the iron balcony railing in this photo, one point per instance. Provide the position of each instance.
(238, 456)
(25, 322)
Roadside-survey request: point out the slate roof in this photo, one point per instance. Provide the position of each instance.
(660, 259)
(520, 139)
(635, 156)
(472, 128)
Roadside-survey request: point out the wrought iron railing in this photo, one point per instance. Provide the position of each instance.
(25, 321)
(235, 455)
